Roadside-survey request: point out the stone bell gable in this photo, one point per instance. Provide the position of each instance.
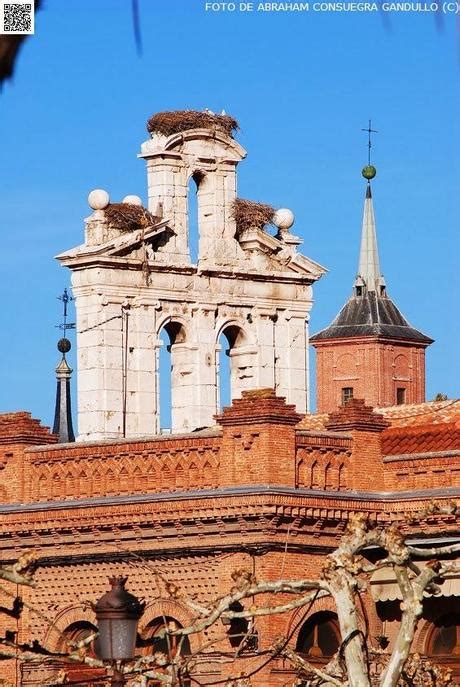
(134, 277)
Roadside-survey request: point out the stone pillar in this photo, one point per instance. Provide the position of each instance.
(143, 346)
(203, 328)
(217, 228)
(167, 185)
(290, 358)
(264, 325)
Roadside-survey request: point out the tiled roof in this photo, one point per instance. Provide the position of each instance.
(371, 314)
(431, 412)
(421, 438)
(315, 422)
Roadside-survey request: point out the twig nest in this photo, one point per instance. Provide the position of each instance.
(132, 200)
(283, 219)
(98, 199)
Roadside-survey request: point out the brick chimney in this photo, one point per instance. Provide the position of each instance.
(365, 427)
(258, 440)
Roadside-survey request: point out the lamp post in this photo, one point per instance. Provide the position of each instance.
(117, 614)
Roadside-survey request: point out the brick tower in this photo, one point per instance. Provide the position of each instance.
(135, 276)
(369, 351)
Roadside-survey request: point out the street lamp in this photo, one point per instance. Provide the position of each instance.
(117, 614)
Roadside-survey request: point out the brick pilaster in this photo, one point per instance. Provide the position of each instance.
(258, 442)
(366, 429)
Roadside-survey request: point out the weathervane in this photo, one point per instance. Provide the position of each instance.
(369, 171)
(64, 344)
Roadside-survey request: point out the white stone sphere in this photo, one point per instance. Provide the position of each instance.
(98, 199)
(132, 200)
(283, 219)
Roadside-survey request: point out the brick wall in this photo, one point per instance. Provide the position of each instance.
(374, 369)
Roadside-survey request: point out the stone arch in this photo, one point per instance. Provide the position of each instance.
(234, 341)
(216, 137)
(440, 636)
(342, 476)
(324, 604)
(175, 373)
(328, 476)
(346, 366)
(315, 475)
(199, 211)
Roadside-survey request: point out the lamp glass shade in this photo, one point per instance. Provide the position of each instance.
(117, 639)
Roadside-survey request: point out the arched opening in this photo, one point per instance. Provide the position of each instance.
(240, 631)
(193, 215)
(155, 640)
(77, 632)
(79, 673)
(444, 639)
(319, 637)
(234, 364)
(171, 399)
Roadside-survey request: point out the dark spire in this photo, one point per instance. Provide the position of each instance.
(62, 414)
(370, 311)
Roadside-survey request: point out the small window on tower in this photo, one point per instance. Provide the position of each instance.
(347, 394)
(400, 396)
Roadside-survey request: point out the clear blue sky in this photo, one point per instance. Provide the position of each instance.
(301, 85)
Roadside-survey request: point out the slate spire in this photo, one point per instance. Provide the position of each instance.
(62, 425)
(369, 275)
(62, 413)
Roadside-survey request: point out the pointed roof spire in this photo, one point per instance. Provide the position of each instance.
(369, 274)
(63, 414)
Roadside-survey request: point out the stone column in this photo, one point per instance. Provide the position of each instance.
(290, 358)
(264, 325)
(142, 402)
(203, 328)
(167, 184)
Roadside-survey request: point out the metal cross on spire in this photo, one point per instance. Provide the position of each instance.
(370, 131)
(65, 299)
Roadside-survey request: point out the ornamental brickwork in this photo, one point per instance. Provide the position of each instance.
(259, 490)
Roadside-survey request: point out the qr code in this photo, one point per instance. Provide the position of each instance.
(18, 17)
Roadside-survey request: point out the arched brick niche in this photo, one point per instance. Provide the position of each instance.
(71, 618)
(166, 608)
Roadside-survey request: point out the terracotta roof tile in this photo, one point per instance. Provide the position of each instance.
(421, 438)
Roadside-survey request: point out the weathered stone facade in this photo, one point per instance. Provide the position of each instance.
(253, 287)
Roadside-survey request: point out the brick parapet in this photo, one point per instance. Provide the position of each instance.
(366, 427)
(258, 439)
(259, 406)
(18, 430)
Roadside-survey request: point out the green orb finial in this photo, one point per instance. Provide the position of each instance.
(369, 172)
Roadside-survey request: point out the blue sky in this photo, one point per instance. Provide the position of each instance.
(302, 85)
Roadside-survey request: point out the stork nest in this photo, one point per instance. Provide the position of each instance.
(128, 217)
(249, 214)
(168, 123)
